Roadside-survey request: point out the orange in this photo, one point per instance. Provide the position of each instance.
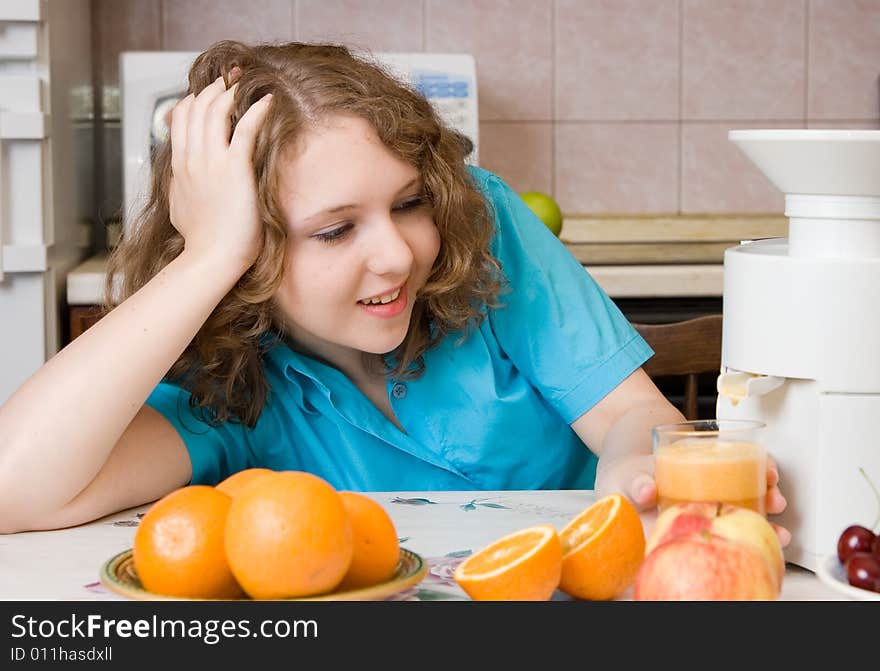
(522, 566)
(602, 549)
(178, 546)
(289, 537)
(376, 549)
(235, 483)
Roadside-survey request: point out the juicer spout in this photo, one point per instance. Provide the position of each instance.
(737, 385)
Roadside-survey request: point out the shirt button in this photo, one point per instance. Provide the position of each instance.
(398, 390)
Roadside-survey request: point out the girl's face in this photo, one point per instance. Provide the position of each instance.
(361, 245)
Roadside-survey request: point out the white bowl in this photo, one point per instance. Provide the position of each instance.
(830, 571)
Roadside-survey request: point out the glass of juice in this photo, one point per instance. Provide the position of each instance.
(716, 460)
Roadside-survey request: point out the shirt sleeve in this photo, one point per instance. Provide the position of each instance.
(555, 323)
(216, 451)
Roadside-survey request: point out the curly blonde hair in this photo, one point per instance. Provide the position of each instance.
(222, 366)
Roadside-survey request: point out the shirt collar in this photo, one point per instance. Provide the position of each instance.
(290, 362)
(352, 407)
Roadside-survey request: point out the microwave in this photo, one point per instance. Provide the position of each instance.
(152, 82)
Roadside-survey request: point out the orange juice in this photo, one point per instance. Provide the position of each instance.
(703, 469)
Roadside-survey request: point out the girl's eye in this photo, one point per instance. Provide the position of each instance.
(339, 232)
(410, 204)
(334, 234)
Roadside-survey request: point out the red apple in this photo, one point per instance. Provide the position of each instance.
(701, 566)
(720, 519)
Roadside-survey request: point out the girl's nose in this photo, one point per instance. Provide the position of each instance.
(389, 252)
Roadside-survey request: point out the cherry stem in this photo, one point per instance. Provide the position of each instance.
(876, 525)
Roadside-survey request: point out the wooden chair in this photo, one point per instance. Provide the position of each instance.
(686, 348)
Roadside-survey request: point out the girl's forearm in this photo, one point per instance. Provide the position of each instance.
(626, 464)
(58, 429)
(631, 434)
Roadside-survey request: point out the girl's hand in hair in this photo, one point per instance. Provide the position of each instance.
(213, 196)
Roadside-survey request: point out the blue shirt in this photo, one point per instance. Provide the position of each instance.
(492, 412)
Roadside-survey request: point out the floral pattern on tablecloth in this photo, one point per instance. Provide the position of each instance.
(472, 504)
(439, 583)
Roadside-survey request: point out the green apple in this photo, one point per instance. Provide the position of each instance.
(545, 208)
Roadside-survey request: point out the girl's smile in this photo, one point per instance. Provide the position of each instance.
(386, 305)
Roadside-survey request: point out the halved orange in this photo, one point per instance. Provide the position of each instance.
(602, 549)
(522, 566)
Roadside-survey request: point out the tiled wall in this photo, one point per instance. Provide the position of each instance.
(613, 106)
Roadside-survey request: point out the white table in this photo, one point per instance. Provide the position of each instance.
(442, 527)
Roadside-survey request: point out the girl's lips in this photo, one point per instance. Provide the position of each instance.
(387, 310)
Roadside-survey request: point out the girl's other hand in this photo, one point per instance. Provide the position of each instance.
(633, 476)
(629, 474)
(213, 195)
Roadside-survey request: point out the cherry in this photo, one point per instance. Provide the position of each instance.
(855, 538)
(863, 570)
(858, 549)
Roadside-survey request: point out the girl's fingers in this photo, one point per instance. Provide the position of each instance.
(218, 123)
(772, 472)
(172, 198)
(643, 491)
(245, 136)
(775, 501)
(783, 534)
(195, 132)
(179, 117)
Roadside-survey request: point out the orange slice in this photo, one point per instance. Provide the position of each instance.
(602, 549)
(522, 566)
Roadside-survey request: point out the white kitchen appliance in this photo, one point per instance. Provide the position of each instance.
(801, 334)
(152, 82)
(46, 158)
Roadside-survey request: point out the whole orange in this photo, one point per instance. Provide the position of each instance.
(235, 483)
(289, 537)
(179, 549)
(376, 549)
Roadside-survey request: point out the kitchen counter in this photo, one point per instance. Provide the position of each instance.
(629, 256)
(85, 283)
(442, 527)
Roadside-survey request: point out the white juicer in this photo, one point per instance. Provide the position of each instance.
(801, 331)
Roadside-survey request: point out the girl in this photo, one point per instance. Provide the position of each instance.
(319, 282)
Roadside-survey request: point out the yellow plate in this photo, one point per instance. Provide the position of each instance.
(118, 575)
